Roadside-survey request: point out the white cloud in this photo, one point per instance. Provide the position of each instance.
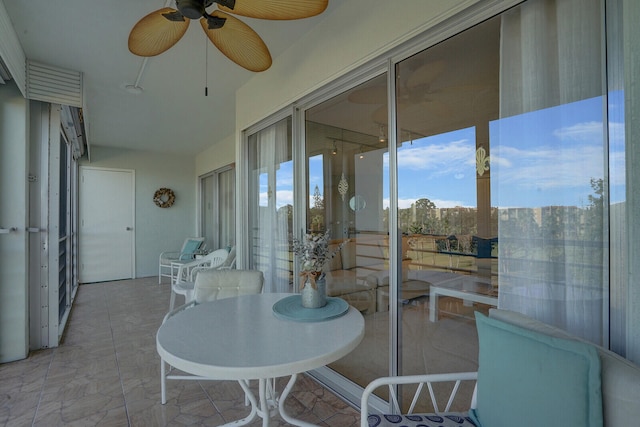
(586, 131)
(283, 197)
(438, 159)
(547, 167)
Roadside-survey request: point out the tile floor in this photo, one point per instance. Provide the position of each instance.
(106, 373)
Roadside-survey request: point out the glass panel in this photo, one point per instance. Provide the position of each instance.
(64, 297)
(502, 159)
(347, 194)
(446, 97)
(271, 205)
(549, 178)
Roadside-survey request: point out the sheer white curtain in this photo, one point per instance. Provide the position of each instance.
(272, 210)
(553, 264)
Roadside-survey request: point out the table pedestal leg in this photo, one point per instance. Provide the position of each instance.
(269, 403)
(283, 413)
(254, 406)
(163, 382)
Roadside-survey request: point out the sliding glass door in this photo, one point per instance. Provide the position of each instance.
(446, 96)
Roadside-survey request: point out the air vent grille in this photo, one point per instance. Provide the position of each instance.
(55, 85)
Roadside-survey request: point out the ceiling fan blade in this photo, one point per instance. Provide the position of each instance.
(369, 95)
(277, 9)
(425, 74)
(155, 33)
(238, 42)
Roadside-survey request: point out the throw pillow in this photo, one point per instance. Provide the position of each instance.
(529, 379)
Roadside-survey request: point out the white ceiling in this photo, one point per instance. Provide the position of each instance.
(172, 114)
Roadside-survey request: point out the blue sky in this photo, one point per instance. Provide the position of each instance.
(542, 158)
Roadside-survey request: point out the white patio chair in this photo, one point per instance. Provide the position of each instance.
(230, 262)
(185, 275)
(441, 415)
(187, 253)
(530, 374)
(211, 285)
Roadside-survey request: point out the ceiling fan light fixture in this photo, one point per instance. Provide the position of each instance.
(334, 151)
(381, 136)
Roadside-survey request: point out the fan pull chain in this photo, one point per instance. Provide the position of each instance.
(206, 68)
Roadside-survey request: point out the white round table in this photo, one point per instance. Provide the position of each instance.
(242, 339)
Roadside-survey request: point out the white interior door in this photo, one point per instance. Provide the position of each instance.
(106, 237)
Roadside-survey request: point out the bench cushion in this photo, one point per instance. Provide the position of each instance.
(527, 378)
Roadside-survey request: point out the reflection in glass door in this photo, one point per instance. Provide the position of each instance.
(501, 182)
(446, 97)
(346, 154)
(271, 205)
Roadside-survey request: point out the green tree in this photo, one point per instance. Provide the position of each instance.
(423, 215)
(595, 211)
(316, 211)
(425, 204)
(318, 200)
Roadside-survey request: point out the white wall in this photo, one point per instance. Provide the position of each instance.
(157, 229)
(221, 154)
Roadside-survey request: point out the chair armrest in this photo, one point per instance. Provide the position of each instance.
(195, 270)
(174, 255)
(185, 270)
(177, 310)
(421, 380)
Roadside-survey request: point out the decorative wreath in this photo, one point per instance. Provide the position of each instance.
(164, 197)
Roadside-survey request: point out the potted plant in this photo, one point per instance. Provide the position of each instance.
(313, 254)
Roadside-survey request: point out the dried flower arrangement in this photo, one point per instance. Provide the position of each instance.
(313, 252)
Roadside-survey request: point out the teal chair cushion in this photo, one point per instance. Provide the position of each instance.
(530, 379)
(189, 249)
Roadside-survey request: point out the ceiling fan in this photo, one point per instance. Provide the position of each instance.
(163, 28)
